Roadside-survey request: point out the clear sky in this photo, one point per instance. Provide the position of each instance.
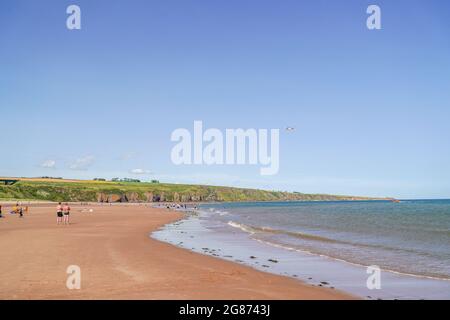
(371, 108)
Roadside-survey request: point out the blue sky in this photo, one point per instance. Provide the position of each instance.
(371, 108)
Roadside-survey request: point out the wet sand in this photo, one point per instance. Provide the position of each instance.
(119, 260)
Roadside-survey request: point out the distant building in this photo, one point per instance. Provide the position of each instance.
(130, 180)
(125, 180)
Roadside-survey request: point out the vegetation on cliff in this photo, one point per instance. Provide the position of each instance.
(105, 191)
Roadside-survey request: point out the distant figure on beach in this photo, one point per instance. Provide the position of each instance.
(66, 211)
(20, 212)
(59, 213)
(1, 212)
(14, 209)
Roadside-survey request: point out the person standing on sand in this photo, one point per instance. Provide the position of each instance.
(1, 212)
(20, 212)
(59, 213)
(66, 211)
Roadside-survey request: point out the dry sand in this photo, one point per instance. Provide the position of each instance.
(119, 260)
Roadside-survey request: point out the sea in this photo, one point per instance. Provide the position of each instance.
(370, 249)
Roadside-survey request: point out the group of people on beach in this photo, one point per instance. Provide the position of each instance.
(62, 213)
(17, 209)
(176, 206)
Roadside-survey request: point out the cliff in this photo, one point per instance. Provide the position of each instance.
(103, 191)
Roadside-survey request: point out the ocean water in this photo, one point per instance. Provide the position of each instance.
(331, 242)
(411, 237)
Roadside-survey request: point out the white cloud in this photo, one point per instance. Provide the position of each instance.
(140, 171)
(49, 164)
(82, 163)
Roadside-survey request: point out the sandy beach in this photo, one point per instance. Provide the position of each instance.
(119, 260)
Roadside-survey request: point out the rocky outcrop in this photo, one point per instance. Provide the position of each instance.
(157, 197)
(103, 197)
(132, 197)
(114, 198)
(185, 198)
(196, 198)
(149, 196)
(201, 195)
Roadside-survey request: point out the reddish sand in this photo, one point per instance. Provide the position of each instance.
(118, 260)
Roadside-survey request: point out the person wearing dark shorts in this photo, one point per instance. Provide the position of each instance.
(66, 212)
(59, 213)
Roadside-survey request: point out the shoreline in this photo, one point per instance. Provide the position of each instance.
(211, 237)
(304, 251)
(118, 260)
